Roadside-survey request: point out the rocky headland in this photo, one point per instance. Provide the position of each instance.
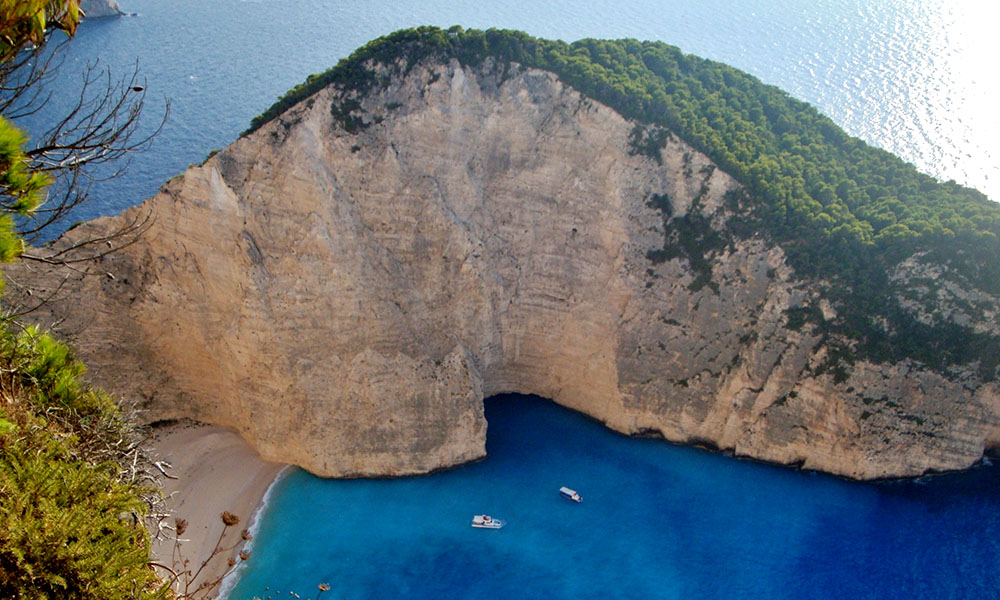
(344, 285)
(99, 9)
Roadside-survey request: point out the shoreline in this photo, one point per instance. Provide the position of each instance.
(232, 576)
(212, 470)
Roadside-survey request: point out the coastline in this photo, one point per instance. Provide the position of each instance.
(212, 470)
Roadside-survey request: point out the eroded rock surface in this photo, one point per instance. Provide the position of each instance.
(99, 9)
(346, 299)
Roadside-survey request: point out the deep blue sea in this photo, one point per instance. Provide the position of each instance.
(916, 77)
(657, 521)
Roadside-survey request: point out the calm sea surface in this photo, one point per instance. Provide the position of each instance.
(657, 521)
(918, 78)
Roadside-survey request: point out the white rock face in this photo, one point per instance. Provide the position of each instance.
(346, 300)
(95, 9)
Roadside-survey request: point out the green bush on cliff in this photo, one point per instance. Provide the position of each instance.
(845, 213)
(72, 516)
(71, 511)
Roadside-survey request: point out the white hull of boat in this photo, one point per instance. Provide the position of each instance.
(487, 522)
(569, 494)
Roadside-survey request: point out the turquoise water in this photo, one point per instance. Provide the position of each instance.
(657, 521)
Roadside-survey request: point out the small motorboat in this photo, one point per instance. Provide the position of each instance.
(487, 522)
(565, 492)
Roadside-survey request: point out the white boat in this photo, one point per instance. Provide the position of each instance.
(487, 522)
(565, 492)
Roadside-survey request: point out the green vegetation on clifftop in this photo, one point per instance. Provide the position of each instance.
(846, 213)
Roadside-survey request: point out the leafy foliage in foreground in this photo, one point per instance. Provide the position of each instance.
(71, 502)
(23, 24)
(844, 212)
(72, 515)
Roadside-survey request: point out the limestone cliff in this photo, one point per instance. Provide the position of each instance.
(98, 9)
(345, 286)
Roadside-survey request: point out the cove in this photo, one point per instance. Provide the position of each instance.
(657, 521)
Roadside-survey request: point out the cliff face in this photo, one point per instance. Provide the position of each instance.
(96, 9)
(345, 299)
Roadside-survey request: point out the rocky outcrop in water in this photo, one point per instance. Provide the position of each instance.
(345, 285)
(99, 9)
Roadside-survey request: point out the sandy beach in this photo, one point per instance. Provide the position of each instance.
(216, 471)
